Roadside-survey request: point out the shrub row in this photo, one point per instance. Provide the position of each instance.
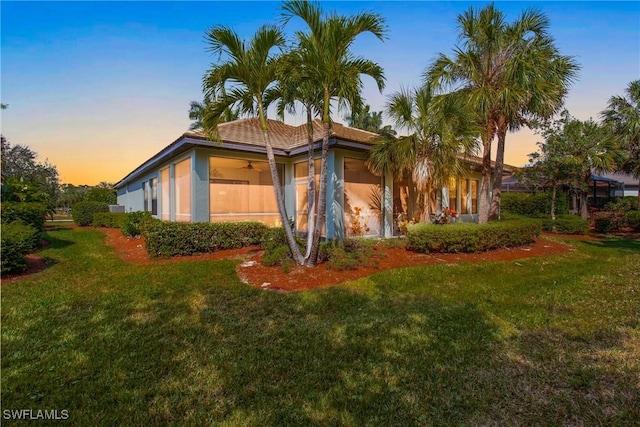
(83, 212)
(109, 219)
(617, 221)
(566, 224)
(166, 239)
(32, 214)
(533, 204)
(18, 240)
(465, 237)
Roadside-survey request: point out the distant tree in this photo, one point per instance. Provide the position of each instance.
(22, 173)
(3, 106)
(101, 194)
(371, 121)
(71, 194)
(198, 110)
(577, 149)
(622, 117)
(105, 184)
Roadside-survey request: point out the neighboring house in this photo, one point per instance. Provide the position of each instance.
(629, 184)
(196, 180)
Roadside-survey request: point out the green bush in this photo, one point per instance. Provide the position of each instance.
(165, 239)
(566, 224)
(133, 223)
(533, 204)
(83, 212)
(109, 219)
(623, 204)
(466, 237)
(18, 240)
(32, 214)
(632, 220)
(603, 225)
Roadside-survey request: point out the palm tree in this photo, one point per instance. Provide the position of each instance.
(293, 88)
(249, 70)
(439, 131)
(623, 118)
(325, 58)
(198, 112)
(508, 73)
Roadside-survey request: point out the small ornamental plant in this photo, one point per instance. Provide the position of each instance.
(359, 225)
(447, 216)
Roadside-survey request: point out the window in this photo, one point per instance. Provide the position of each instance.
(182, 200)
(474, 196)
(165, 194)
(453, 194)
(145, 190)
(362, 199)
(242, 190)
(154, 196)
(464, 196)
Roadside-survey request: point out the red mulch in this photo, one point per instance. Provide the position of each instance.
(299, 278)
(132, 250)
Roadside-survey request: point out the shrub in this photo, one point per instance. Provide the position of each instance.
(32, 214)
(133, 223)
(632, 220)
(109, 219)
(165, 239)
(623, 204)
(603, 225)
(348, 254)
(82, 212)
(18, 240)
(466, 237)
(533, 204)
(566, 224)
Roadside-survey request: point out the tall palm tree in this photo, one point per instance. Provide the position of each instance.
(508, 73)
(292, 88)
(325, 58)
(622, 115)
(249, 70)
(439, 131)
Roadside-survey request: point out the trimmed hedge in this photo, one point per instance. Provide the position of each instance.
(109, 219)
(133, 222)
(83, 212)
(566, 224)
(166, 239)
(32, 214)
(533, 204)
(466, 237)
(603, 225)
(18, 240)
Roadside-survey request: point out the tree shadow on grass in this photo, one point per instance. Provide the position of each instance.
(626, 245)
(222, 352)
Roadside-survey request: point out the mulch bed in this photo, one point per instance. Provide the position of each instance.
(300, 278)
(252, 272)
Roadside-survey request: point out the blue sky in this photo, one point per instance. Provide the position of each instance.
(99, 87)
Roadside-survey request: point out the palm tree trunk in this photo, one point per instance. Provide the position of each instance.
(322, 198)
(426, 206)
(483, 199)
(311, 186)
(494, 212)
(293, 245)
(586, 179)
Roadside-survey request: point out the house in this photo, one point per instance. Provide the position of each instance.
(194, 179)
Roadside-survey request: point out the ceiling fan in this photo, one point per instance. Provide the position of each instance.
(251, 167)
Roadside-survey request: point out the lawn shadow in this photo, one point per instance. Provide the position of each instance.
(618, 243)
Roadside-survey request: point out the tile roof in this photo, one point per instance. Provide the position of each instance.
(283, 136)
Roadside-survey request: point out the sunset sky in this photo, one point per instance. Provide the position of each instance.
(99, 87)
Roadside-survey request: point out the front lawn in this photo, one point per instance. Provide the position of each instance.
(552, 341)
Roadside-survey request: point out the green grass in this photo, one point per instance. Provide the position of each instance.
(544, 341)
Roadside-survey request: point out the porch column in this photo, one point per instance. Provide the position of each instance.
(290, 190)
(172, 192)
(335, 196)
(387, 206)
(200, 187)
